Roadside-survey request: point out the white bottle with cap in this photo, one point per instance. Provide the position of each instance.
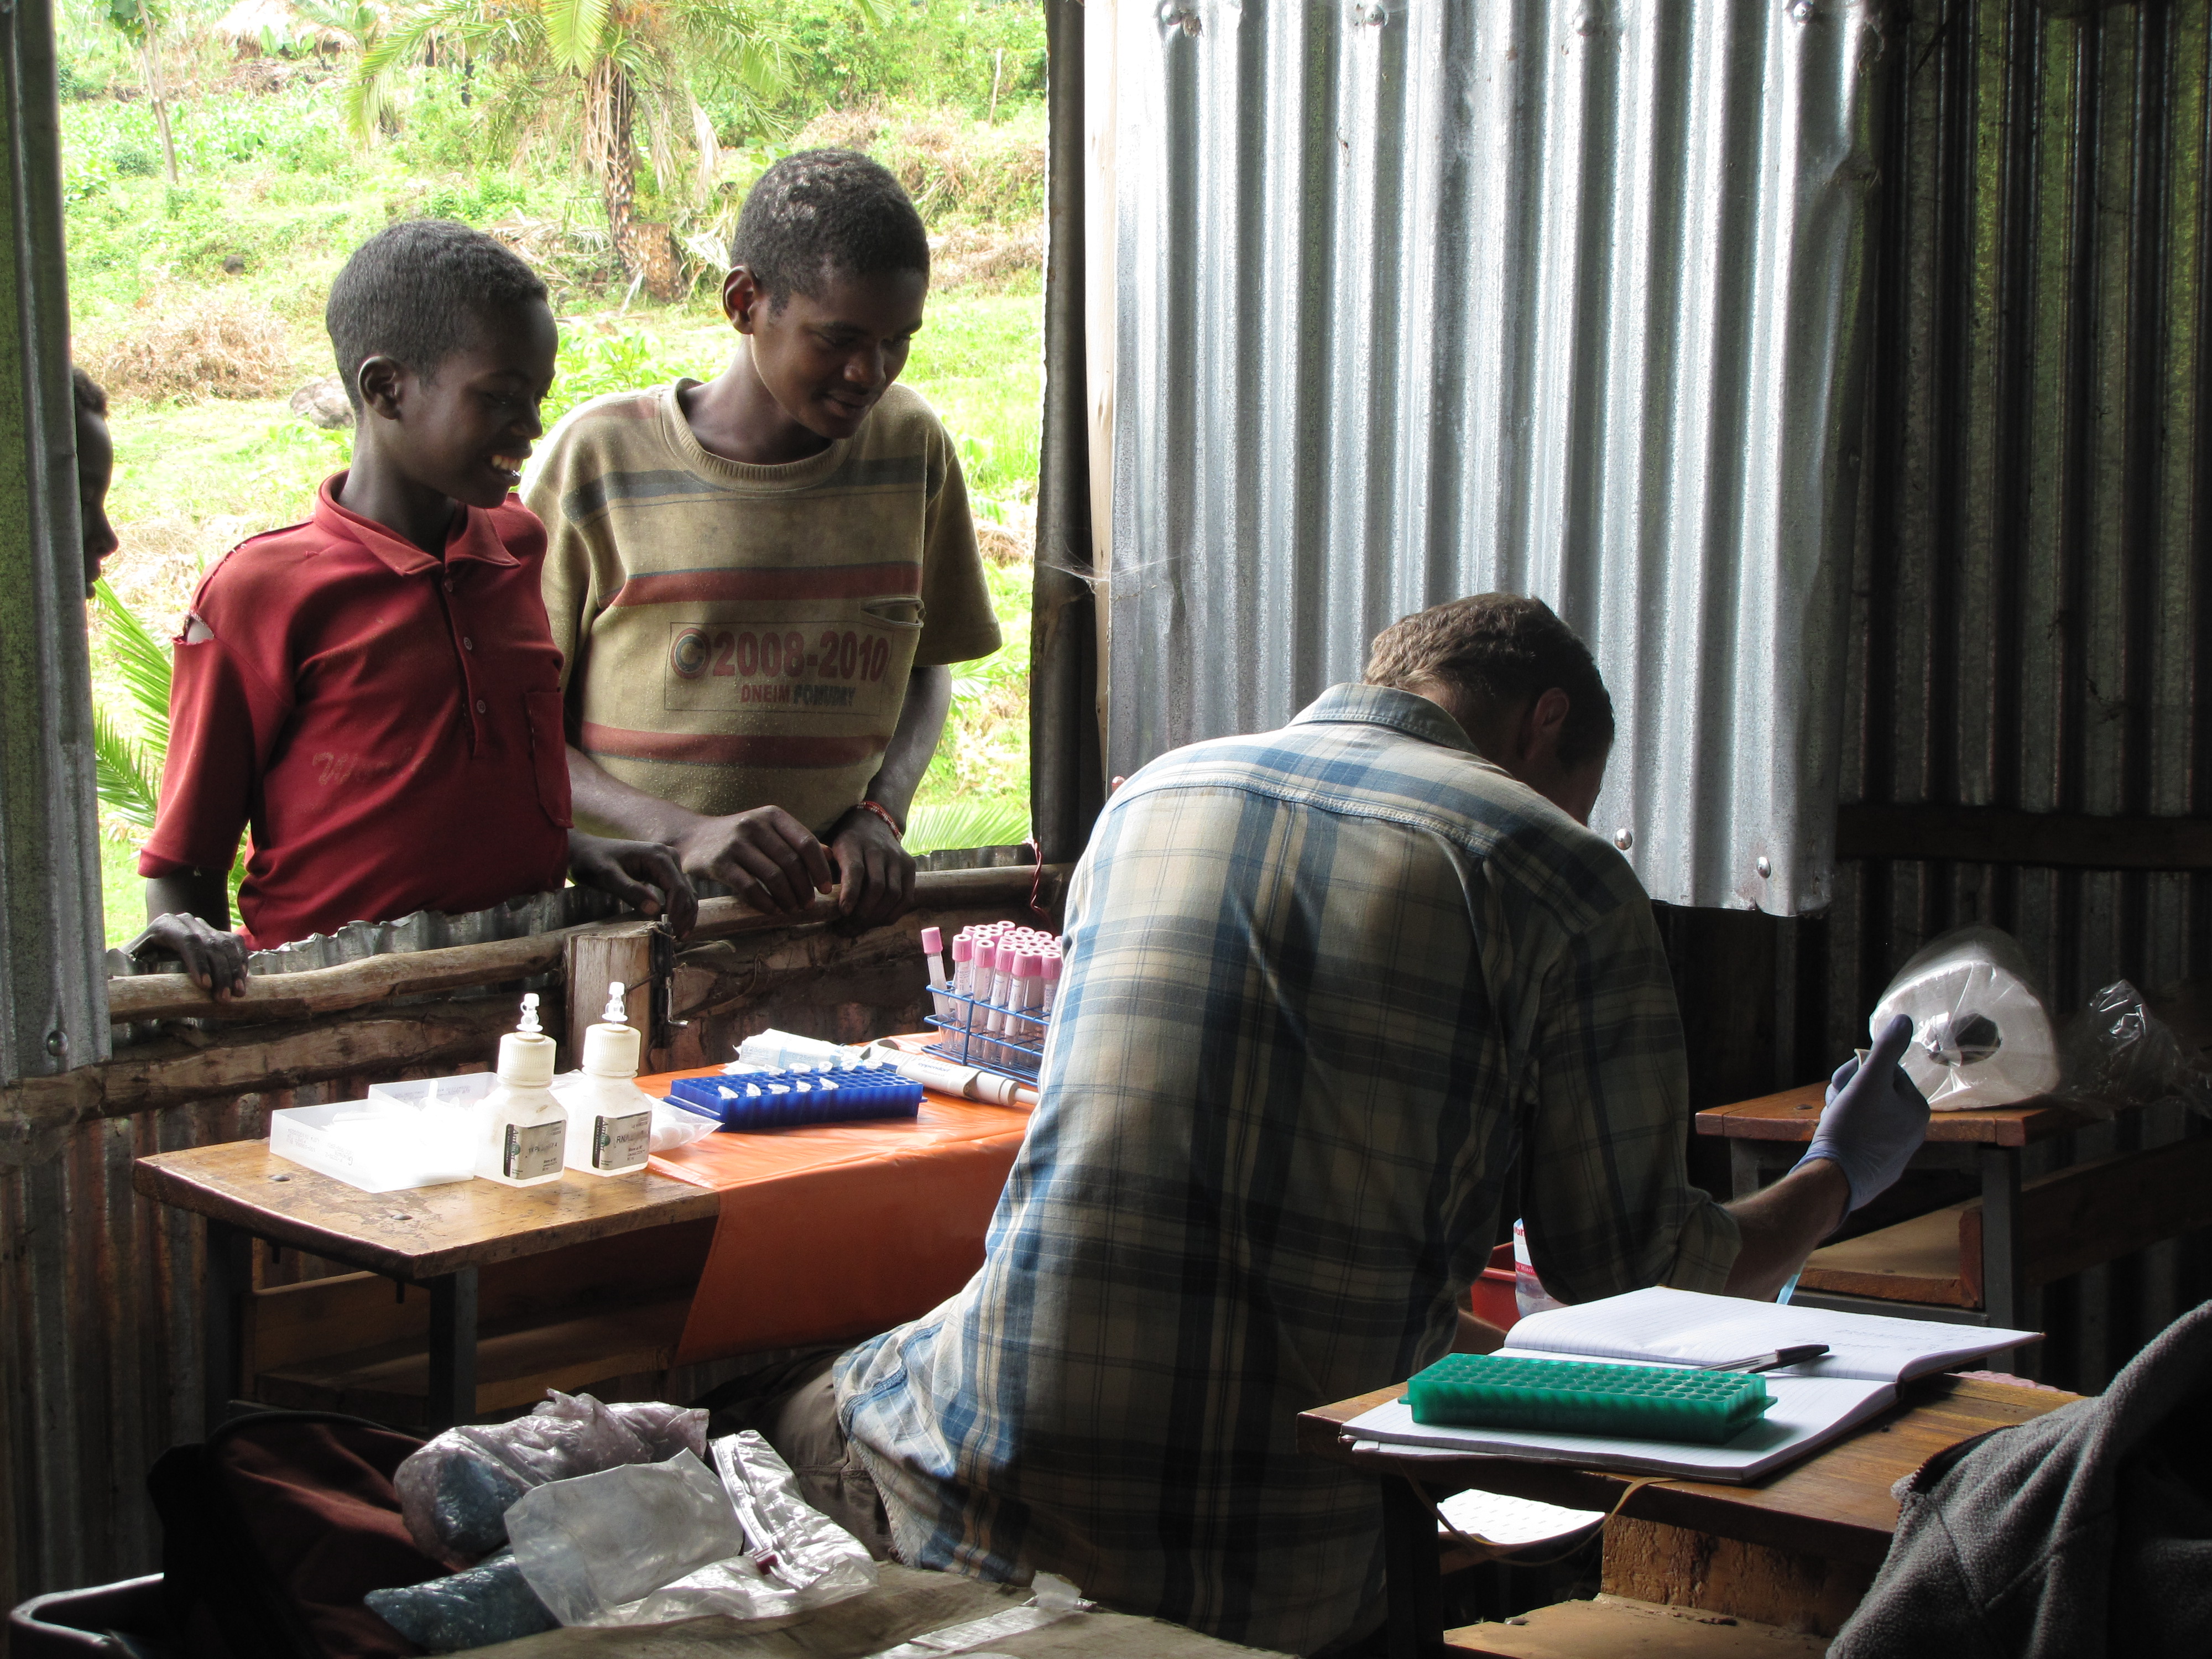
(610, 1119)
(525, 1129)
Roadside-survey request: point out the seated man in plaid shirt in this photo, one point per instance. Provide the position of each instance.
(1327, 986)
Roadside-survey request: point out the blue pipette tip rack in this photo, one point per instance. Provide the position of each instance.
(771, 1099)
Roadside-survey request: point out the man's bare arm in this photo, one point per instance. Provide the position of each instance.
(1783, 1225)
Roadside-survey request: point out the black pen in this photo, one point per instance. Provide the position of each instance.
(1767, 1362)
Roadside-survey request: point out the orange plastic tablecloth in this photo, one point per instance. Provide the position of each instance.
(839, 1230)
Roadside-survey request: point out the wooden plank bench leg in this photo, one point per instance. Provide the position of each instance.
(453, 1349)
(229, 1282)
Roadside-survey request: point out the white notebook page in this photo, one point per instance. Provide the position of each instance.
(1661, 1326)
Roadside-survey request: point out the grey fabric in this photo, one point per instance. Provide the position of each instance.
(2084, 1532)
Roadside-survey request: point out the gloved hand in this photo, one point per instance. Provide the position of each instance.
(1875, 1119)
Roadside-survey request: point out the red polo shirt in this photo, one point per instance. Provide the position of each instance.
(388, 723)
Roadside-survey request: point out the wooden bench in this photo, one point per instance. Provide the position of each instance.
(605, 1314)
(1622, 1627)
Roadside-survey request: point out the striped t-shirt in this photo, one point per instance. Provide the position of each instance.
(738, 637)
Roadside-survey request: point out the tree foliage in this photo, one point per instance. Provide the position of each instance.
(603, 75)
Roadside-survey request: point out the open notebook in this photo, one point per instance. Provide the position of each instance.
(1813, 1403)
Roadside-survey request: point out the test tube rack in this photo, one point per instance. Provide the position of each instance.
(785, 1098)
(989, 1035)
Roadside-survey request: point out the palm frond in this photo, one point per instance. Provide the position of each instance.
(938, 824)
(484, 27)
(143, 663)
(126, 784)
(576, 31)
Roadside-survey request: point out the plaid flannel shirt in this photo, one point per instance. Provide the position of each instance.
(1325, 986)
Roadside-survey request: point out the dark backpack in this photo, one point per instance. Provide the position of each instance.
(272, 1530)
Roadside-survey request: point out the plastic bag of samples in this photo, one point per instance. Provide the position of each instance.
(2115, 1053)
(1981, 1037)
(456, 1491)
(490, 1602)
(454, 1495)
(649, 1545)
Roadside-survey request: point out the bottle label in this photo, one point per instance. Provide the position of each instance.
(533, 1152)
(619, 1142)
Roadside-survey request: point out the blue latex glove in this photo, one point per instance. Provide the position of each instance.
(1875, 1119)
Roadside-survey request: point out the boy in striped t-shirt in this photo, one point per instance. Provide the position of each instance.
(758, 582)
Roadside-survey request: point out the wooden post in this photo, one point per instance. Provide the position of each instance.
(53, 974)
(594, 962)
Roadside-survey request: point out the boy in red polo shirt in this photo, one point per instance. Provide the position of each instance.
(376, 691)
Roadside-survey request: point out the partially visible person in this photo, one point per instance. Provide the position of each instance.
(1328, 987)
(95, 471)
(375, 692)
(759, 582)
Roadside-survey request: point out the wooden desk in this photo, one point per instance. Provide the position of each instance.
(439, 1237)
(1826, 1520)
(1767, 1135)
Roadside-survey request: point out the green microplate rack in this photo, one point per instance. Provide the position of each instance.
(1569, 1396)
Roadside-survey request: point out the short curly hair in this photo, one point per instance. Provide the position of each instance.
(419, 291)
(1501, 650)
(824, 213)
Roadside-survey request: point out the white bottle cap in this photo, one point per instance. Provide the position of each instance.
(610, 1046)
(525, 1054)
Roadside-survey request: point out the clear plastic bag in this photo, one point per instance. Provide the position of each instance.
(644, 1546)
(455, 1493)
(672, 1129)
(1981, 1036)
(2116, 1054)
(594, 1543)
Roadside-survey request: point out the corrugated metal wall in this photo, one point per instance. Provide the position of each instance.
(1565, 296)
(2032, 605)
(100, 1367)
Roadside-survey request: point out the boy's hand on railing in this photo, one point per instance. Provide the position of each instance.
(213, 957)
(875, 871)
(766, 857)
(643, 874)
